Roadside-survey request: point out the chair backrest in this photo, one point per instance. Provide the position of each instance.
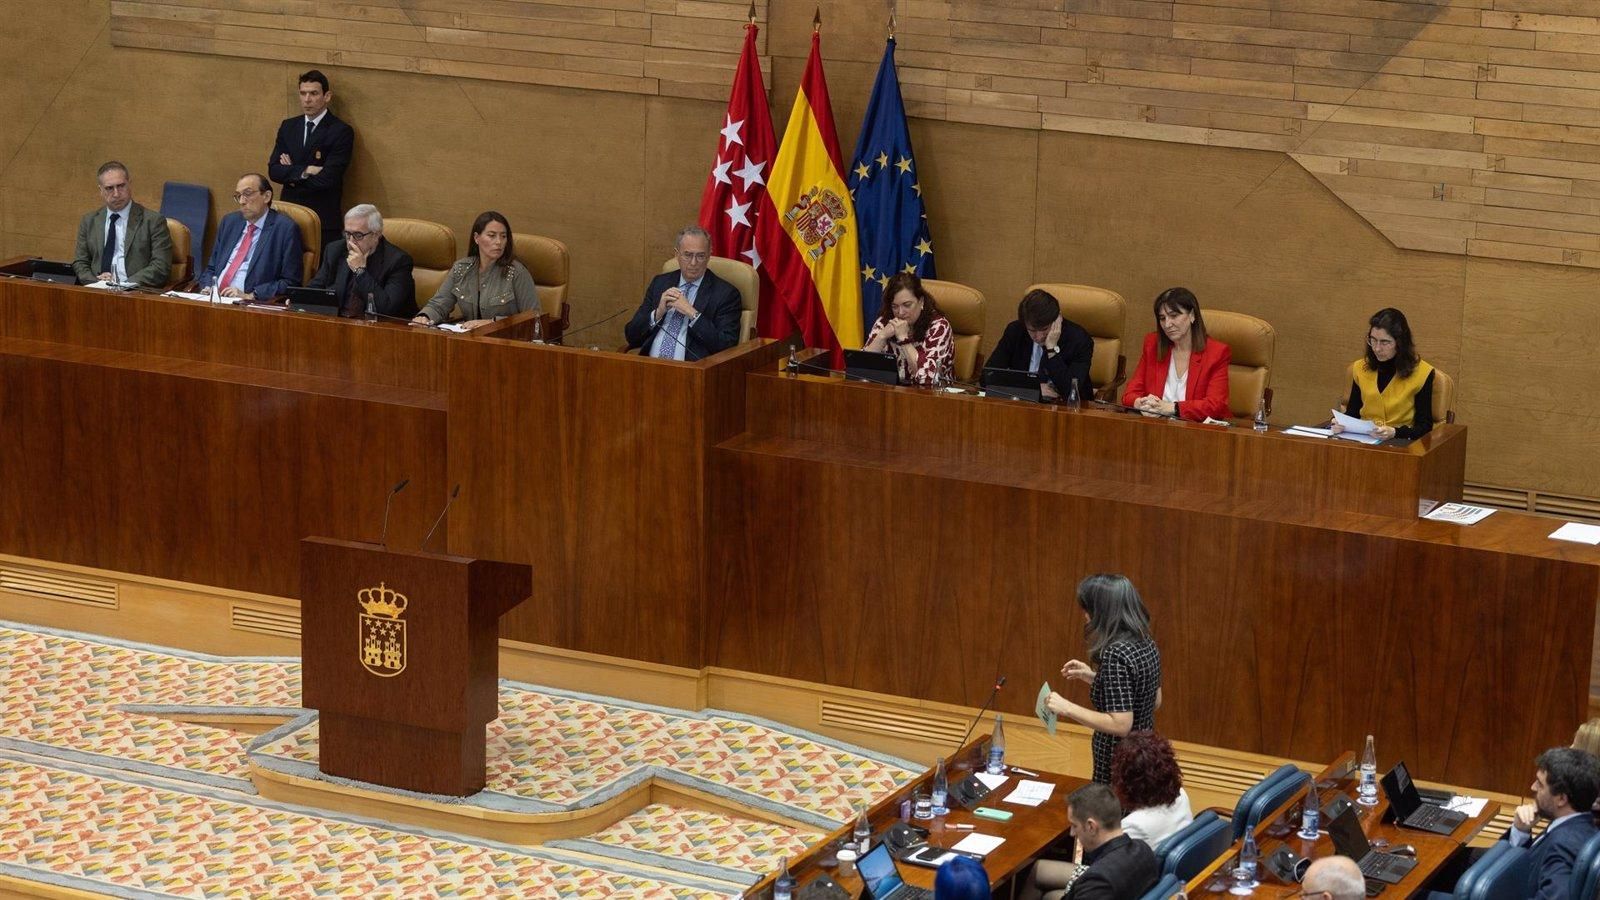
(1187, 853)
(963, 306)
(182, 255)
(1265, 788)
(191, 205)
(1274, 796)
(1168, 887)
(1100, 312)
(1444, 397)
(1585, 881)
(432, 248)
(310, 225)
(1501, 873)
(1253, 342)
(742, 276)
(551, 267)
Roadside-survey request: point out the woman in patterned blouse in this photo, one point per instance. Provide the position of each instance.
(910, 326)
(1125, 691)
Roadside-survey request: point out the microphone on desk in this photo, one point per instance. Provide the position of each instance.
(970, 791)
(574, 331)
(453, 493)
(993, 692)
(383, 541)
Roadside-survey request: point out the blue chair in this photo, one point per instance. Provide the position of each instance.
(1265, 796)
(191, 205)
(1165, 889)
(1197, 845)
(1585, 883)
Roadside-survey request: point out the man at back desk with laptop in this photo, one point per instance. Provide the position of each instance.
(1564, 790)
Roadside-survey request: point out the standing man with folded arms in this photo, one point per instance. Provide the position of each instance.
(312, 154)
(122, 241)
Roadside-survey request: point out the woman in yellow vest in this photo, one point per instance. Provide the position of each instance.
(1391, 387)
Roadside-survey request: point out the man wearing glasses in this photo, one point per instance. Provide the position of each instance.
(688, 314)
(364, 270)
(122, 242)
(258, 251)
(1333, 878)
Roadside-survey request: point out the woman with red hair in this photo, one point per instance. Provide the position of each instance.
(1146, 778)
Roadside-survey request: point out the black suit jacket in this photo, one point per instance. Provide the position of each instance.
(1552, 855)
(1015, 351)
(331, 147)
(716, 329)
(1120, 869)
(387, 279)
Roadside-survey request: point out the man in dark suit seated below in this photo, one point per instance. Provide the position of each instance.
(1564, 790)
(1042, 340)
(258, 251)
(1118, 867)
(688, 314)
(362, 268)
(122, 242)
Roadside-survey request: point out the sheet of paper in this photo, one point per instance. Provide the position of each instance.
(1045, 713)
(1470, 806)
(1577, 533)
(1030, 792)
(1210, 421)
(455, 328)
(1308, 431)
(111, 286)
(1352, 424)
(978, 844)
(1359, 438)
(1459, 513)
(991, 781)
(187, 295)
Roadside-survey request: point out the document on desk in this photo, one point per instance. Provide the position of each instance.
(979, 845)
(991, 781)
(1358, 430)
(1308, 431)
(1030, 792)
(454, 328)
(112, 285)
(1468, 806)
(188, 295)
(1043, 710)
(1577, 533)
(1459, 513)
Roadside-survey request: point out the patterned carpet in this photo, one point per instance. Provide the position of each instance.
(99, 793)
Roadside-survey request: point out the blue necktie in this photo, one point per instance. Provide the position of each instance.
(673, 326)
(108, 257)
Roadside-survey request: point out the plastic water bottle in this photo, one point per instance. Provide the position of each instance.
(1261, 415)
(941, 789)
(372, 309)
(997, 748)
(1073, 397)
(1311, 815)
(1367, 794)
(783, 885)
(538, 329)
(862, 834)
(794, 359)
(1244, 874)
(216, 295)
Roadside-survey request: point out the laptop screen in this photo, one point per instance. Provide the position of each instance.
(1348, 839)
(1402, 792)
(878, 872)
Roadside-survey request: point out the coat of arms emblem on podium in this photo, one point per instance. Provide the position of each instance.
(383, 632)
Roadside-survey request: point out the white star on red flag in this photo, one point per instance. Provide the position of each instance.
(735, 188)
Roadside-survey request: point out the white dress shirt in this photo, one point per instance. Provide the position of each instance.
(1177, 383)
(118, 266)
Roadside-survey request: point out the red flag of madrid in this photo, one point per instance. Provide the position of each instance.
(738, 180)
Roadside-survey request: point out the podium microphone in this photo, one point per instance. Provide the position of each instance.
(453, 492)
(384, 540)
(998, 684)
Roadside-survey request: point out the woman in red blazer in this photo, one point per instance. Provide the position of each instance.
(1181, 372)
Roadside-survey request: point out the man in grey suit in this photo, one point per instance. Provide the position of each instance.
(122, 241)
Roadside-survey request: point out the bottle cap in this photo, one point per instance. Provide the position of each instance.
(847, 856)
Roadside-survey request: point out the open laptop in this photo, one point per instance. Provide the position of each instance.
(320, 301)
(1013, 383)
(1410, 811)
(1348, 840)
(869, 366)
(882, 878)
(42, 270)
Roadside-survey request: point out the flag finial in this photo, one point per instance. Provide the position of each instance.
(816, 20)
(752, 12)
(892, 6)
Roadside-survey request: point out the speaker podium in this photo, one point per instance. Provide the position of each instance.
(399, 656)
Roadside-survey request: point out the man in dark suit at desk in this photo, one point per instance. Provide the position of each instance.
(1564, 791)
(688, 314)
(258, 250)
(1043, 340)
(1119, 867)
(122, 241)
(311, 155)
(364, 268)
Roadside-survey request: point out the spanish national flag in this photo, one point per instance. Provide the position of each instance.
(807, 239)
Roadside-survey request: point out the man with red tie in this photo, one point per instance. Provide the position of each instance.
(258, 251)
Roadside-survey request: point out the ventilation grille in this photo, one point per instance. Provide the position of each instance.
(878, 720)
(284, 623)
(1221, 775)
(57, 586)
(1567, 507)
(1563, 506)
(1489, 495)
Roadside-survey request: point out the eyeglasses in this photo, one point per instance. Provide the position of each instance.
(241, 196)
(354, 236)
(1380, 342)
(693, 257)
(114, 188)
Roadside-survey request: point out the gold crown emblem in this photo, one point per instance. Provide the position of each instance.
(381, 601)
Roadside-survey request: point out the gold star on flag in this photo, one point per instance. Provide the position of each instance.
(910, 269)
(903, 164)
(883, 160)
(917, 186)
(883, 281)
(863, 171)
(924, 247)
(869, 273)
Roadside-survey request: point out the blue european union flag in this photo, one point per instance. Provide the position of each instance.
(888, 198)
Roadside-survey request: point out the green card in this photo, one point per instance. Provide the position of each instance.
(1045, 713)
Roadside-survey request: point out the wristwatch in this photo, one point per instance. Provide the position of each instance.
(1052, 351)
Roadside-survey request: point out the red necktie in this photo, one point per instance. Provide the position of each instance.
(239, 256)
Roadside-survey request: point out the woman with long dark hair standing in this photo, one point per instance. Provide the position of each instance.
(1123, 672)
